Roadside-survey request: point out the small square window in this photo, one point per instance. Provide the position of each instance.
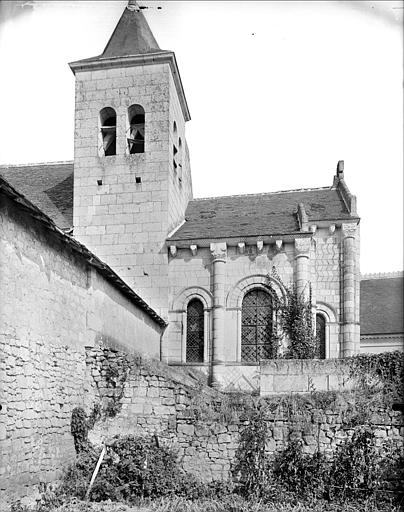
(138, 179)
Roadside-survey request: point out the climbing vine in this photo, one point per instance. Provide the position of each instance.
(294, 320)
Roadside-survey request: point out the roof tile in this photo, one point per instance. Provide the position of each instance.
(258, 214)
(49, 186)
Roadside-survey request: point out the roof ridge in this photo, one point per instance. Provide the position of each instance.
(58, 162)
(382, 275)
(262, 193)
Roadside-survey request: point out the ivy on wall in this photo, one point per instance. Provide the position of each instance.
(294, 319)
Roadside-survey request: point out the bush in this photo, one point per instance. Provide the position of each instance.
(303, 475)
(135, 467)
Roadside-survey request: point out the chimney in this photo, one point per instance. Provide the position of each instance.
(340, 170)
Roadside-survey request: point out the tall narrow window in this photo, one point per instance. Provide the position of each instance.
(136, 130)
(179, 160)
(195, 332)
(108, 131)
(175, 150)
(256, 326)
(320, 333)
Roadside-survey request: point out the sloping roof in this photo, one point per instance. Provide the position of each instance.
(258, 214)
(132, 36)
(49, 186)
(81, 250)
(381, 306)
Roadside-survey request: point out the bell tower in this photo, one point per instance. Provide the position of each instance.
(132, 179)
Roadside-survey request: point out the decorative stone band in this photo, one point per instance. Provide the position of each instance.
(219, 251)
(349, 230)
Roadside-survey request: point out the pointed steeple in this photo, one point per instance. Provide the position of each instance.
(132, 44)
(132, 35)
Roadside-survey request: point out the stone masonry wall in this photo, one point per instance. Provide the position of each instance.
(123, 221)
(304, 375)
(204, 425)
(53, 305)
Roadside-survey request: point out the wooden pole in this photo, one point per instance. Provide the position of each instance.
(97, 468)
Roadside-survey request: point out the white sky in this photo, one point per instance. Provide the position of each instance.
(278, 93)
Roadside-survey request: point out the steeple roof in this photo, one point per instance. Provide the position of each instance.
(132, 44)
(132, 35)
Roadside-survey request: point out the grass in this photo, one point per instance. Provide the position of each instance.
(231, 503)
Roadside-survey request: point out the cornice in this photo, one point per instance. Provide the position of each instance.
(163, 57)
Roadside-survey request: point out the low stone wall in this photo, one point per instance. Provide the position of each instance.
(282, 376)
(204, 425)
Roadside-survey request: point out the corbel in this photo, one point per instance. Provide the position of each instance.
(241, 247)
(173, 250)
(279, 244)
(194, 249)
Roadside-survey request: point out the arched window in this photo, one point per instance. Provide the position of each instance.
(195, 332)
(256, 326)
(136, 130)
(108, 131)
(320, 335)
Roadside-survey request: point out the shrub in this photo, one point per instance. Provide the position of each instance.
(374, 370)
(357, 469)
(132, 467)
(303, 475)
(251, 467)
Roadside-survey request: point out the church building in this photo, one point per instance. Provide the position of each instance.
(211, 268)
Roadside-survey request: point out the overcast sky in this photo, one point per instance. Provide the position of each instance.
(278, 93)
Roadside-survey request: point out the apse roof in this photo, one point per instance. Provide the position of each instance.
(259, 214)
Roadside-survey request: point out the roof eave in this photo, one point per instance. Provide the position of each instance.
(234, 240)
(145, 59)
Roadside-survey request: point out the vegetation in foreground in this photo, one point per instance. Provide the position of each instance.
(140, 473)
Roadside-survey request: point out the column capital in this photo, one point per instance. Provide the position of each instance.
(349, 230)
(302, 247)
(218, 251)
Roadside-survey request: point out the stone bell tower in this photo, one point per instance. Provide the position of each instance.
(132, 179)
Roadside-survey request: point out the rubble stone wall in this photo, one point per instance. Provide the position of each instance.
(204, 425)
